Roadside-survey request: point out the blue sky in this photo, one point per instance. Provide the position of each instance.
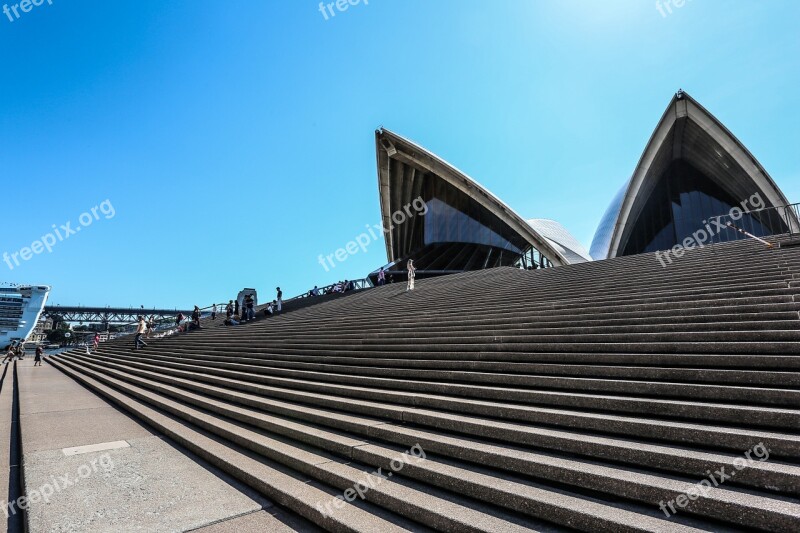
(235, 140)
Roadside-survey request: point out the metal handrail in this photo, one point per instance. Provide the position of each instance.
(758, 223)
(358, 284)
(169, 325)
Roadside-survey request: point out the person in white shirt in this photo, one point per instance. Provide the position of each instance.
(412, 273)
(140, 330)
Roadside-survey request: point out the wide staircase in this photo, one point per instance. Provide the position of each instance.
(610, 396)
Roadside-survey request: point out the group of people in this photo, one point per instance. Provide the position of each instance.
(235, 316)
(340, 287)
(412, 274)
(16, 350)
(343, 286)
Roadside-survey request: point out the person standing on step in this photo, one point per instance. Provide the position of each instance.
(412, 273)
(236, 309)
(95, 342)
(151, 323)
(37, 359)
(251, 312)
(381, 277)
(140, 330)
(279, 299)
(214, 312)
(229, 309)
(196, 317)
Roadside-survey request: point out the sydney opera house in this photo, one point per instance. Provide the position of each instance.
(691, 170)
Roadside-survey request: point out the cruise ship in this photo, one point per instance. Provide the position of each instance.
(20, 309)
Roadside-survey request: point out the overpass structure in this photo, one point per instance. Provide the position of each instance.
(106, 315)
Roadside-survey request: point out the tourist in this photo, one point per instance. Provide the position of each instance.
(279, 299)
(412, 273)
(151, 323)
(236, 308)
(95, 342)
(229, 309)
(214, 312)
(250, 303)
(269, 310)
(9, 355)
(381, 277)
(21, 350)
(231, 322)
(178, 320)
(37, 359)
(196, 318)
(140, 330)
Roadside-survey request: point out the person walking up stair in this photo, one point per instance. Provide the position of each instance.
(412, 273)
(140, 330)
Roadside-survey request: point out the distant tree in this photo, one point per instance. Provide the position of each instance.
(56, 336)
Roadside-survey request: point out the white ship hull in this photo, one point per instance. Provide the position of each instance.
(20, 309)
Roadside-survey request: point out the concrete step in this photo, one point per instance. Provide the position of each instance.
(271, 479)
(445, 513)
(680, 432)
(783, 478)
(473, 370)
(461, 384)
(249, 351)
(452, 475)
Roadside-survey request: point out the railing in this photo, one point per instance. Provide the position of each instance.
(168, 325)
(355, 285)
(756, 224)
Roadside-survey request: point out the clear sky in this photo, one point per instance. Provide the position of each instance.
(235, 140)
